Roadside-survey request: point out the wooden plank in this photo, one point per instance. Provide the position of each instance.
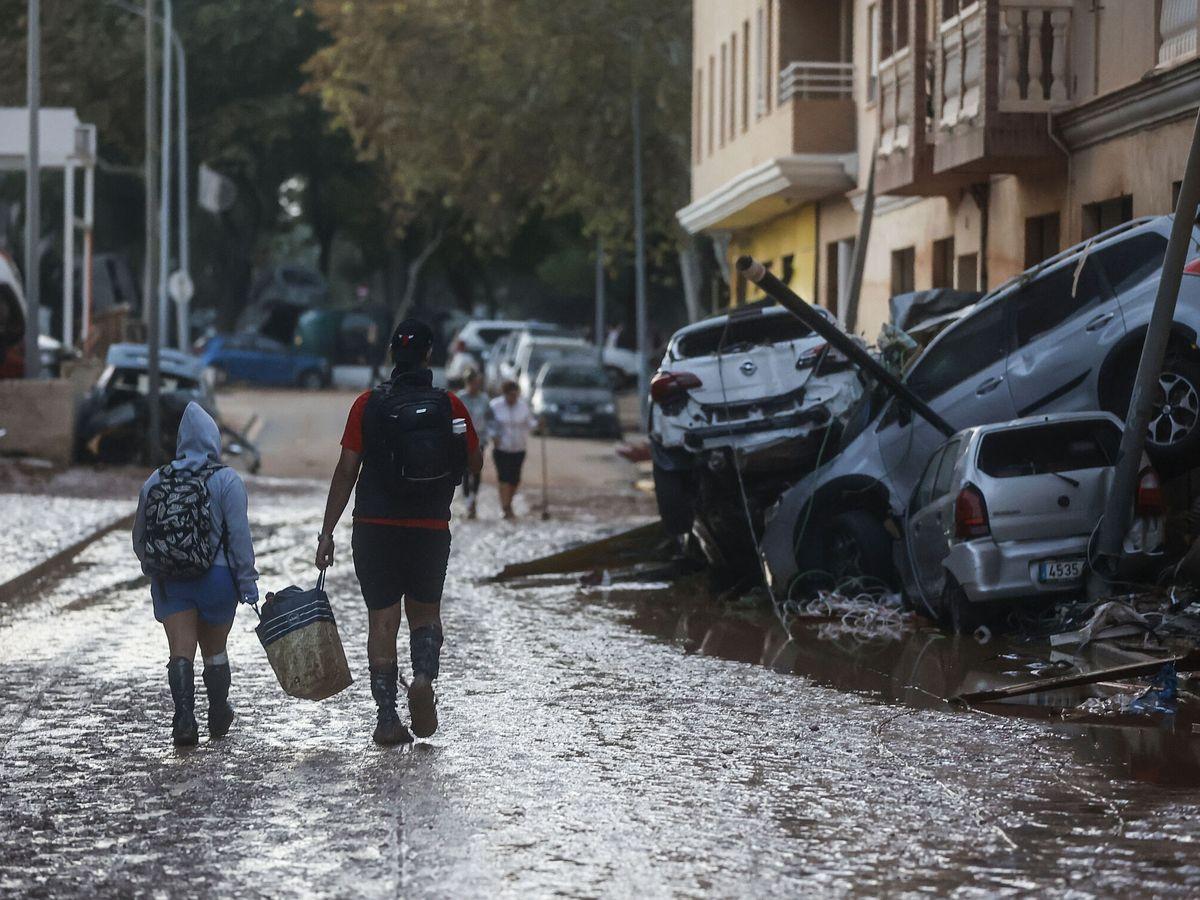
(607, 553)
(1025, 688)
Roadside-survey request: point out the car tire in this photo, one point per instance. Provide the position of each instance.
(312, 380)
(856, 544)
(1180, 382)
(959, 614)
(674, 492)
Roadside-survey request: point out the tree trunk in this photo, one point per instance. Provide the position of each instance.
(411, 282)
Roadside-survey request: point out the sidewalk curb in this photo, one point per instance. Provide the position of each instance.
(47, 566)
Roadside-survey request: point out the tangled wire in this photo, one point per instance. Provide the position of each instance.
(861, 608)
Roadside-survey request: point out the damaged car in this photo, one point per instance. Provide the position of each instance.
(740, 406)
(114, 416)
(1064, 336)
(1006, 513)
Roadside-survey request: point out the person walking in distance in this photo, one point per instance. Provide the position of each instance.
(191, 534)
(476, 401)
(510, 421)
(406, 446)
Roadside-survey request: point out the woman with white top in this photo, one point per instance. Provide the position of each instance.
(510, 422)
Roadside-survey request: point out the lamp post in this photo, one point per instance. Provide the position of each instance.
(33, 198)
(164, 176)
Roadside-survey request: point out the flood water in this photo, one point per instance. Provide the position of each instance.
(595, 742)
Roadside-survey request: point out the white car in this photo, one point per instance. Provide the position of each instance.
(534, 351)
(755, 388)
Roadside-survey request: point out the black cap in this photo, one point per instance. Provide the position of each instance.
(412, 340)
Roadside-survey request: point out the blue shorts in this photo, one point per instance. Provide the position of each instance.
(212, 595)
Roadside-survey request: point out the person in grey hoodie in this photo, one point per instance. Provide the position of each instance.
(201, 610)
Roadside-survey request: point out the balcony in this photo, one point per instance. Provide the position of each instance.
(1000, 67)
(818, 97)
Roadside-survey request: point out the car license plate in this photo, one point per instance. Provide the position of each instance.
(576, 418)
(1060, 570)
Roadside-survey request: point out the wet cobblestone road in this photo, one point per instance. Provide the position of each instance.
(581, 755)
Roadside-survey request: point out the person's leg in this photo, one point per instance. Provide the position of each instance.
(506, 498)
(423, 604)
(217, 675)
(181, 639)
(378, 561)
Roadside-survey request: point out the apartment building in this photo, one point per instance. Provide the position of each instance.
(1001, 131)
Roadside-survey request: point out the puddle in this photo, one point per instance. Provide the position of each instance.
(918, 666)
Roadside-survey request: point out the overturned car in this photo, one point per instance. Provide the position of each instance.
(740, 407)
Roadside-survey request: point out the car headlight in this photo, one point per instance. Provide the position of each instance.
(607, 409)
(550, 407)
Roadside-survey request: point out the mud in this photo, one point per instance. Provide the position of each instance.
(595, 742)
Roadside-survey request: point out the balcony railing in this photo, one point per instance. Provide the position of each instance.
(816, 81)
(960, 43)
(896, 102)
(1034, 37)
(1177, 27)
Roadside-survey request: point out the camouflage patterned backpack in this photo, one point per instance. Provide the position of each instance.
(178, 523)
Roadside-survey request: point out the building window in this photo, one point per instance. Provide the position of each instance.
(1099, 217)
(943, 263)
(698, 116)
(949, 9)
(839, 260)
(788, 270)
(733, 91)
(967, 277)
(712, 83)
(770, 58)
(745, 75)
(872, 53)
(901, 39)
(723, 92)
(1041, 238)
(887, 28)
(760, 70)
(904, 265)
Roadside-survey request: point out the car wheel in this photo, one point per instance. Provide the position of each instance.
(959, 614)
(1173, 438)
(855, 545)
(674, 492)
(312, 380)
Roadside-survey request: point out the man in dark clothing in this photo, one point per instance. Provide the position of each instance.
(399, 447)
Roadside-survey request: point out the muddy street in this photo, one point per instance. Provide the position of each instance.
(595, 742)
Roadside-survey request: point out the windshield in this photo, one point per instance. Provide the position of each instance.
(1052, 447)
(539, 356)
(741, 334)
(575, 378)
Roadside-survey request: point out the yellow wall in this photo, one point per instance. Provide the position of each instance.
(793, 233)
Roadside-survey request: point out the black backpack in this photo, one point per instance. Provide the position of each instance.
(409, 435)
(179, 525)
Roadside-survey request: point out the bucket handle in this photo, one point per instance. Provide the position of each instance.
(320, 587)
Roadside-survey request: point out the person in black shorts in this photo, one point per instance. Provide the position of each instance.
(510, 422)
(401, 538)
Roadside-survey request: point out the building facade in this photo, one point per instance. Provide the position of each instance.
(1001, 131)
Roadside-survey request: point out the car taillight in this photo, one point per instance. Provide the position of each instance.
(970, 514)
(1149, 500)
(810, 358)
(1192, 268)
(667, 386)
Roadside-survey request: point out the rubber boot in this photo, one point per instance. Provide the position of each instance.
(389, 730)
(426, 646)
(220, 713)
(182, 678)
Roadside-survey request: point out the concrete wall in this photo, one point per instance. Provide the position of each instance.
(40, 419)
(792, 234)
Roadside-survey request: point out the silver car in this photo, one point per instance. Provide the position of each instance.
(1006, 512)
(577, 397)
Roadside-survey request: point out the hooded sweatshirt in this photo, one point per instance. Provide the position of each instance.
(199, 443)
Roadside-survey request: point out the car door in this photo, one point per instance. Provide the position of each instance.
(917, 526)
(933, 527)
(962, 377)
(274, 362)
(236, 357)
(1064, 324)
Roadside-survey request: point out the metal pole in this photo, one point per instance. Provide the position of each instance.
(183, 310)
(164, 186)
(839, 340)
(639, 228)
(33, 199)
(600, 332)
(89, 212)
(150, 314)
(860, 250)
(1119, 507)
(68, 286)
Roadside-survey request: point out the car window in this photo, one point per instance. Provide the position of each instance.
(1050, 300)
(1130, 262)
(489, 336)
(969, 347)
(741, 334)
(941, 484)
(924, 492)
(266, 345)
(1051, 447)
(563, 377)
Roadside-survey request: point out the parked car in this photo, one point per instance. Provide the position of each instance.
(576, 397)
(500, 364)
(1006, 512)
(114, 415)
(754, 388)
(12, 320)
(535, 350)
(478, 336)
(256, 359)
(1065, 336)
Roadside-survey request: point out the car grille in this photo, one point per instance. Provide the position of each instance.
(718, 413)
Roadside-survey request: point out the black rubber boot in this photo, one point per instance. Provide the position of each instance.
(389, 730)
(426, 645)
(220, 713)
(182, 678)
